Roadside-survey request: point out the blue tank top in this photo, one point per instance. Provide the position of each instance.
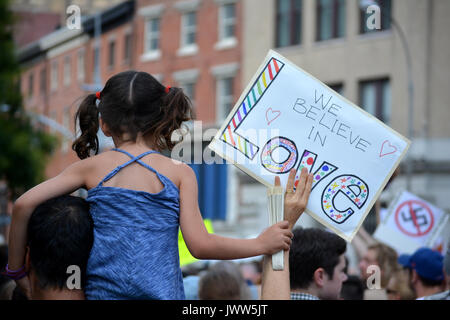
(135, 251)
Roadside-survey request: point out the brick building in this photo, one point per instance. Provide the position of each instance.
(193, 44)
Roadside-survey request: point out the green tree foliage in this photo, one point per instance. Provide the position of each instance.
(24, 148)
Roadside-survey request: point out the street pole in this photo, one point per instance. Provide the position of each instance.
(363, 5)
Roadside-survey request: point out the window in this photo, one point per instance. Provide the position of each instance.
(188, 29)
(30, 84)
(112, 53)
(67, 71)
(227, 21)
(338, 87)
(375, 98)
(225, 97)
(187, 79)
(96, 62)
(385, 16)
(43, 81)
(212, 203)
(288, 20)
(330, 19)
(152, 30)
(127, 48)
(80, 65)
(66, 125)
(54, 76)
(189, 90)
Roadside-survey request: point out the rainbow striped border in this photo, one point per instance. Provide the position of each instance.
(252, 98)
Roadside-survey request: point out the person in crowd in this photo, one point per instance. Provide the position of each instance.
(251, 271)
(316, 264)
(59, 239)
(138, 197)
(445, 295)
(223, 281)
(352, 288)
(7, 285)
(385, 258)
(426, 272)
(399, 288)
(275, 284)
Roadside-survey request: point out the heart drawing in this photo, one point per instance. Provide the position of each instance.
(272, 115)
(387, 148)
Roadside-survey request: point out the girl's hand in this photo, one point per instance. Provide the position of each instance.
(275, 238)
(25, 286)
(295, 201)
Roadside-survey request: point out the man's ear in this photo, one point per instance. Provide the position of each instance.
(414, 276)
(27, 260)
(104, 128)
(319, 277)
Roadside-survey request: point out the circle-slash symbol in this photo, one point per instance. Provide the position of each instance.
(414, 218)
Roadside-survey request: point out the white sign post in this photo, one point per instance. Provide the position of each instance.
(286, 119)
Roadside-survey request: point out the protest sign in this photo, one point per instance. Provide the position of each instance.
(287, 119)
(411, 223)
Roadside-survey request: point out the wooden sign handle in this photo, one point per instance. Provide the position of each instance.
(276, 212)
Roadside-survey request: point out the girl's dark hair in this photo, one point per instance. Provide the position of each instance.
(132, 102)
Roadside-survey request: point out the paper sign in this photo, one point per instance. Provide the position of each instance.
(287, 119)
(412, 223)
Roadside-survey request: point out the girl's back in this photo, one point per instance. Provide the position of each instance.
(135, 210)
(138, 197)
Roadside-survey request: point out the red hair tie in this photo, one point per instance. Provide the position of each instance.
(167, 89)
(97, 94)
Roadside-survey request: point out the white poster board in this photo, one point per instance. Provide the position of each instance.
(412, 223)
(286, 119)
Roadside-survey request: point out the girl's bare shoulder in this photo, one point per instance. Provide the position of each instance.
(174, 169)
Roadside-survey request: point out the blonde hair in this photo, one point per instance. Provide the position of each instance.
(401, 285)
(387, 261)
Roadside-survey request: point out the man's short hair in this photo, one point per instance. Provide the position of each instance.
(312, 249)
(60, 234)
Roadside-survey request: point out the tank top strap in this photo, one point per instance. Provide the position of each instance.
(133, 159)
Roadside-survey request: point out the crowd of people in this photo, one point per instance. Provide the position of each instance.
(60, 234)
(121, 242)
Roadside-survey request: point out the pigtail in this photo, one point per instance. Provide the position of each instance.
(87, 116)
(176, 109)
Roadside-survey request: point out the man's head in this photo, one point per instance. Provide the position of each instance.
(427, 267)
(223, 281)
(382, 256)
(317, 263)
(60, 234)
(447, 266)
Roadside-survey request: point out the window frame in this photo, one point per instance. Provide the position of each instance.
(54, 69)
(225, 22)
(150, 35)
(384, 18)
(381, 111)
(335, 20)
(184, 32)
(295, 18)
(81, 65)
(67, 71)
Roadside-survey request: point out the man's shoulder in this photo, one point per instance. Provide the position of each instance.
(439, 296)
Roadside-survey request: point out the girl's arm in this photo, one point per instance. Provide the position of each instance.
(66, 182)
(203, 245)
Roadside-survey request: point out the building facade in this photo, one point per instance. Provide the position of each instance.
(332, 41)
(193, 44)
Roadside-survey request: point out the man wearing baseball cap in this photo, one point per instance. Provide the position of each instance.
(427, 276)
(446, 294)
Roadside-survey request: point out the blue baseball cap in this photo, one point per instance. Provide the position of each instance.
(427, 263)
(403, 260)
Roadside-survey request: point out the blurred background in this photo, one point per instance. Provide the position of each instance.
(399, 72)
